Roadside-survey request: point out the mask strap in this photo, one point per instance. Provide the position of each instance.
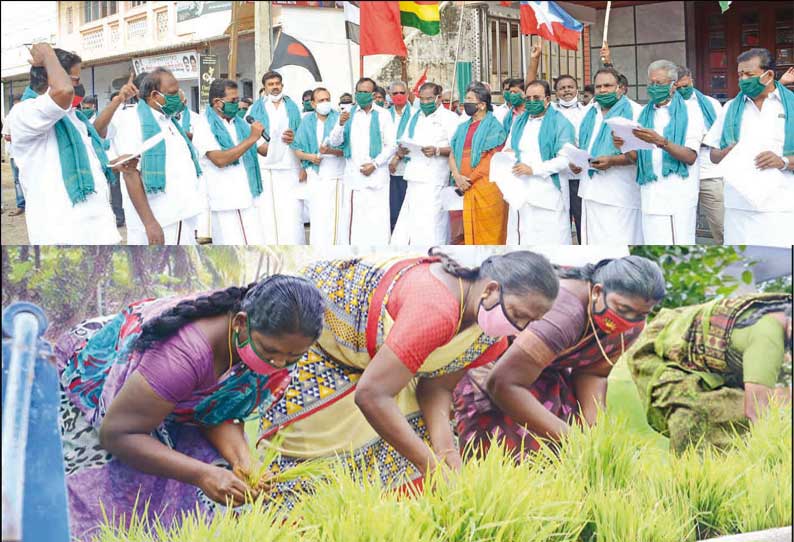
(595, 331)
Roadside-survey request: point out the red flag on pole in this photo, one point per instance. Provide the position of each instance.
(381, 30)
(420, 82)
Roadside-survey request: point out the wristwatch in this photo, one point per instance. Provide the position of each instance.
(786, 163)
(438, 152)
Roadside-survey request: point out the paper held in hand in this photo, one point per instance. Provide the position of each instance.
(513, 188)
(148, 144)
(414, 147)
(450, 200)
(622, 128)
(761, 188)
(576, 156)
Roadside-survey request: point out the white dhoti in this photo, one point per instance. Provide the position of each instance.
(536, 225)
(282, 208)
(610, 225)
(767, 228)
(368, 218)
(326, 197)
(423, 219)
(237, 227)
(178, 233)
(670, 229)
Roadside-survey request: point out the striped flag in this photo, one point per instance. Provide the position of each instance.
(352, 24)
(421, 15)
(724, 6)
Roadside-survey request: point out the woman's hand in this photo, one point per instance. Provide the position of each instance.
(223, 486)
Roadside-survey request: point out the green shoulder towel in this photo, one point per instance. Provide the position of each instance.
(259, 113)
(375, 139)
(555, 131)
(733, 120)
(603, 145)
(489, 134)
(250, 159)
(75, 166)
(100, 146)
(675, 131)
(186, 119)
(306, 138)
(706, 107)
(403, 120)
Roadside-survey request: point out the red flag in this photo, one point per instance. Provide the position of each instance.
(381, 30)
(420, 82)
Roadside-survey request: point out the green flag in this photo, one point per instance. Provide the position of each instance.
(724, 6)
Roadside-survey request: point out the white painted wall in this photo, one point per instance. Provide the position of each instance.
(24, 22)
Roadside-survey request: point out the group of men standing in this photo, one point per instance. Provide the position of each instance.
(374, 174)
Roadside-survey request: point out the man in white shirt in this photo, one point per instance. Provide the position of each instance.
(759, 180)
(400, 115)
(609, 190)
(369, 145)
(162, 196)
(233, 185)
(324, 166)
(669, 178)
(65, 184)
(423, 218)
(282, 203)
(706, 109)
(501, 110)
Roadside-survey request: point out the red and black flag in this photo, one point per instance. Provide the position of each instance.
(291, 52)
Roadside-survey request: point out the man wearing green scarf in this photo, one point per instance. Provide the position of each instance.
(667, 175)
(60, 168)
(514, 100)
(705, 108)
(367, 136)
(400, 115)
(536, 139)
(423, 219)
(162, 196)
(759, 122)
(609, 190)
(228, 145)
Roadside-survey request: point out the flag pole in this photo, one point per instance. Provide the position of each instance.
(457, 55)
(606, 29)
(350, 65)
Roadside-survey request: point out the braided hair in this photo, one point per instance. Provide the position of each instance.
(630, 275)
(519, 273)
(276, 305)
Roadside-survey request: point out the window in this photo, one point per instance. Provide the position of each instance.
(98, 10)
(136, 4)
(69, 21)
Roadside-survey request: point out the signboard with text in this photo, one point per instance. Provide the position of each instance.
(183, 65)
(209, 72)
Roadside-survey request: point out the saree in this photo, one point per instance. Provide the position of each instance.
(94, 360)
(484, 207)
(688, 374)
(317, 417)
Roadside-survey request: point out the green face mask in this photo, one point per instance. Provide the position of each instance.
(230, 109)
(307, 105)
(686, 92)
(173, 104)
(88, 112)
(380, 103)
(514, 98)
(241, 112)
(363, 99)
(535, 107)
(428, 109)
(505, 94)
(752, 86)
(607, 100)
(658, 93)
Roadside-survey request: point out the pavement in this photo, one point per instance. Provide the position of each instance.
(771, 535)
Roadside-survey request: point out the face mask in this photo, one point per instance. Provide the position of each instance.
(428, 109)
(323, 108)
(536, 107)
(88, 112)
(686, 92)
(607, 100)
(241, 112)
(275, 97)
(251, 359)
(470, 108)
(173, 104)
(610, 322)
(494, 321)
(752, 86)
(307, 105)
(79, 94)
(568, 103)
(514, 98)
(230, 109)
(363, 99)
(505, 95)
(380, 103)
(658, 93)
(399, 99)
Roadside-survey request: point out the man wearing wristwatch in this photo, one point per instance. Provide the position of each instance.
(667, 174)
(760, 119)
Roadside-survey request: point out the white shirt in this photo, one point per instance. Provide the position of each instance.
(615, 186)
(400, 171)
(331, 167)
(51, 217)
(708, 170)
(541, 191)
(182, 196)
(767, 129)
(279, 123)
(359, 148)
(435, 130)
(500, 111)
(227, 187)
(574, 114)
(669, 195)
